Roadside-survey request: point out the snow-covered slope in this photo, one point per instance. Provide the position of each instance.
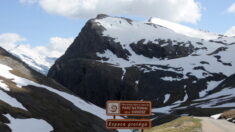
(168, 64)
(38, 62)
(181, 29)
(22, 82)
(119, 28)
(126, 33)
(30, 102)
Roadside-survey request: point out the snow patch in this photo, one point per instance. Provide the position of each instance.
(165, 109)
(210, 86)
(216, 116)
(137, 82)
(170, 79)
(28, 125)
(223, 95)
(123, 74)
(167, 96)
(10, 100)
(4, 86)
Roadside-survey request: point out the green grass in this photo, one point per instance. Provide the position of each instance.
(181, 124)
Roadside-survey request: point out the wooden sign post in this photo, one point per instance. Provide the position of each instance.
(128, 108)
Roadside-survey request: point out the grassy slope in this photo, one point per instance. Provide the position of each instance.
(181, 124)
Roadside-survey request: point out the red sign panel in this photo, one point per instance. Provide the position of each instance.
(129, 108)
(128, 123)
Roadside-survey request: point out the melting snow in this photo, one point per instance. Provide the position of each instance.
(10, 100)
(227, 92)
(123, 74)
(165, 109)
(224, 95)
(4, 86)
(185, 97)
(210, 86)
(28, 125)
(167, 96)
(137, 82)
(217, 116)
(170, 79)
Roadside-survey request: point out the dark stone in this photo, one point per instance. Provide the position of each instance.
(4, 128)
(3, 119)
(151, 49)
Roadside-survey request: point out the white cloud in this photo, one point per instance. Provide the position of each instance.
(59, 44)
(174, 10)
(10, 40)
(231, 9)
(55, 48)
(231, 31)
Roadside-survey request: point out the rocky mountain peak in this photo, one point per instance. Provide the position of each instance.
(101, 16)
(114, 58)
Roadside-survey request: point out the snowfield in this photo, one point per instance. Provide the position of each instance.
(209, 55)
(119, 29)
(183, 29)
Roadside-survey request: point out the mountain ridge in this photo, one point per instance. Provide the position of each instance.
(181, 29)
(130, 60)
(42, 63)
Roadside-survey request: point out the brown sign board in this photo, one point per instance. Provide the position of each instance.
(128, 124)
(129, 108)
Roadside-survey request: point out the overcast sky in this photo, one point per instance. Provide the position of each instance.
(54, 23)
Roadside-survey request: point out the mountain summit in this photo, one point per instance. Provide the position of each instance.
(115, 58)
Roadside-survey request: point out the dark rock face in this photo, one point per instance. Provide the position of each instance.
(105, 84)
(82, 71)
(169, 51)
(89, 42)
